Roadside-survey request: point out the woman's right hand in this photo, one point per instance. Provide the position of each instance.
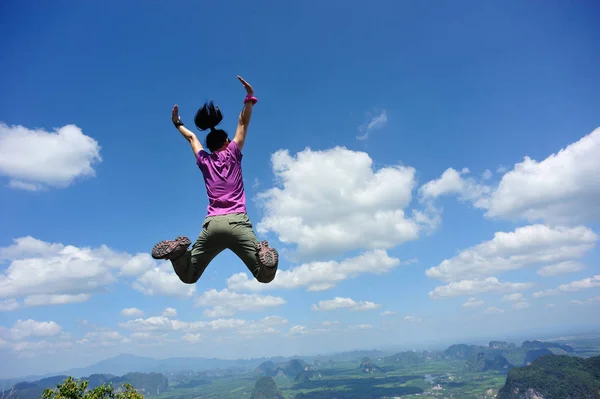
(175, 115)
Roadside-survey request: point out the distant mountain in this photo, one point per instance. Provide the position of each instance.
(406, 359)
(482, 362)
(463, 351)
(127, 363)
(547, 345)
(554, 376)
(150, 384)
(368, 367)
(266, 388)
(118, 365)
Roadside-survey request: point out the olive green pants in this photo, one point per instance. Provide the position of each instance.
(233, 231)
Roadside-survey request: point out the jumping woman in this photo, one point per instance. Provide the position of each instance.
(226, 225)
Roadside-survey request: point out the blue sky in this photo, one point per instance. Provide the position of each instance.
(345, 91)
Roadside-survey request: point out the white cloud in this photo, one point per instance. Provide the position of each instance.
(388, 313)
(318, 276)
(55, 274)
(162, 324)
(588, 301)
(150, 338)
(192, 338)
(376, 121)
(569, 266)
(132, 312)
(162, 280)
(298, 330)
(332, 201)
(513, 297)
(563, 188)
(413, 319)
(104, 339)
(35, 159)
(169, 312)
(473, 303)
(345, 303)
(560, 189)
(8, 305)
(526, 246)
(574, 286)
(476, 286)
(230, 303)
(59, 299)
(32, 328)
(453, 182)
(360, 327)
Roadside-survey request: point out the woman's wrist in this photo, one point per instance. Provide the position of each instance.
(250, 97)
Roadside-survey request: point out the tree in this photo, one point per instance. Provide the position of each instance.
(78, 389)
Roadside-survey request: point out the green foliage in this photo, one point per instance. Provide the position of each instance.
(555, 376)
(78, 389)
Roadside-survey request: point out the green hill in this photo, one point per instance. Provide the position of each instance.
(554, 376)
(266, 388)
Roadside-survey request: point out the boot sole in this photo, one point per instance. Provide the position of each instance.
(165, 248)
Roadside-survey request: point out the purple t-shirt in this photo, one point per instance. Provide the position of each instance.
(222, 173)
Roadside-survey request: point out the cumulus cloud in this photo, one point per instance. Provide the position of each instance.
(517, 296)
(360, 327)
(476, 286)
(376, 120)
(455, 183)
(170, 312)
(332, 201)
(565, 267)
(574, 286)
(162, 324)
(473, 303)
(345, 303)
(230, 302)
(192, 338)
(560, 189)
(563, 188)
(526, 246)
(388, 313)
(59, 299)
(104, 339)
(8, 305)
(413, 319)
(32, 328)
(318, 276)
(47, 273)
(132, 312)
(162, 280)
(35, 159)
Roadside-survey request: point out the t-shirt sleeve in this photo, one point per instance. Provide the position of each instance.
(200, 157)
(235, 151)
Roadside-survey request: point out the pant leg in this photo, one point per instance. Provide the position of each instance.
(208, 245)
(244, 245)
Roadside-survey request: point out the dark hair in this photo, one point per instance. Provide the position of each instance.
(207, 117)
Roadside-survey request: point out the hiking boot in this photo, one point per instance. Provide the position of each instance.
(267, 256)
(171, 249)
